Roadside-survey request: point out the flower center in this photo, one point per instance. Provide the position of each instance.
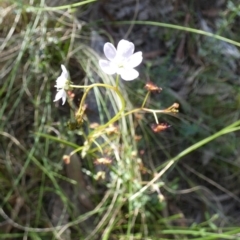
(120, 65)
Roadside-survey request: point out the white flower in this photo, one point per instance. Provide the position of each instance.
(121, 60)
(62, 84)
(61, 94)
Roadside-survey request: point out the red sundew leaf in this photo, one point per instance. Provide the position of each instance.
(159, 127)
(150, 86)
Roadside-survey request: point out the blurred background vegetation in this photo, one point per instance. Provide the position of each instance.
(195, 163)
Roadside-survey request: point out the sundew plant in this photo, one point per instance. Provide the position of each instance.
(121, 62)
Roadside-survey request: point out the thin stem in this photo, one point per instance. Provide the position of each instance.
(89, 87)
(121, 111)
(116, 117)
(92, 85)
(145, 99)
(144, 110)
(76, 150)
(155, 116)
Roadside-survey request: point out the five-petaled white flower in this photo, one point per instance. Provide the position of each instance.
(62, 84)
(121, 60)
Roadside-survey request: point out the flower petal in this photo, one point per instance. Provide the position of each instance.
(64, 72)
(134, 60)
(64, 97)
(107, 66)
(129, 74)
(109, 51)
(125, 49)
(60, 82)
(62, 79)
(61, 94)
